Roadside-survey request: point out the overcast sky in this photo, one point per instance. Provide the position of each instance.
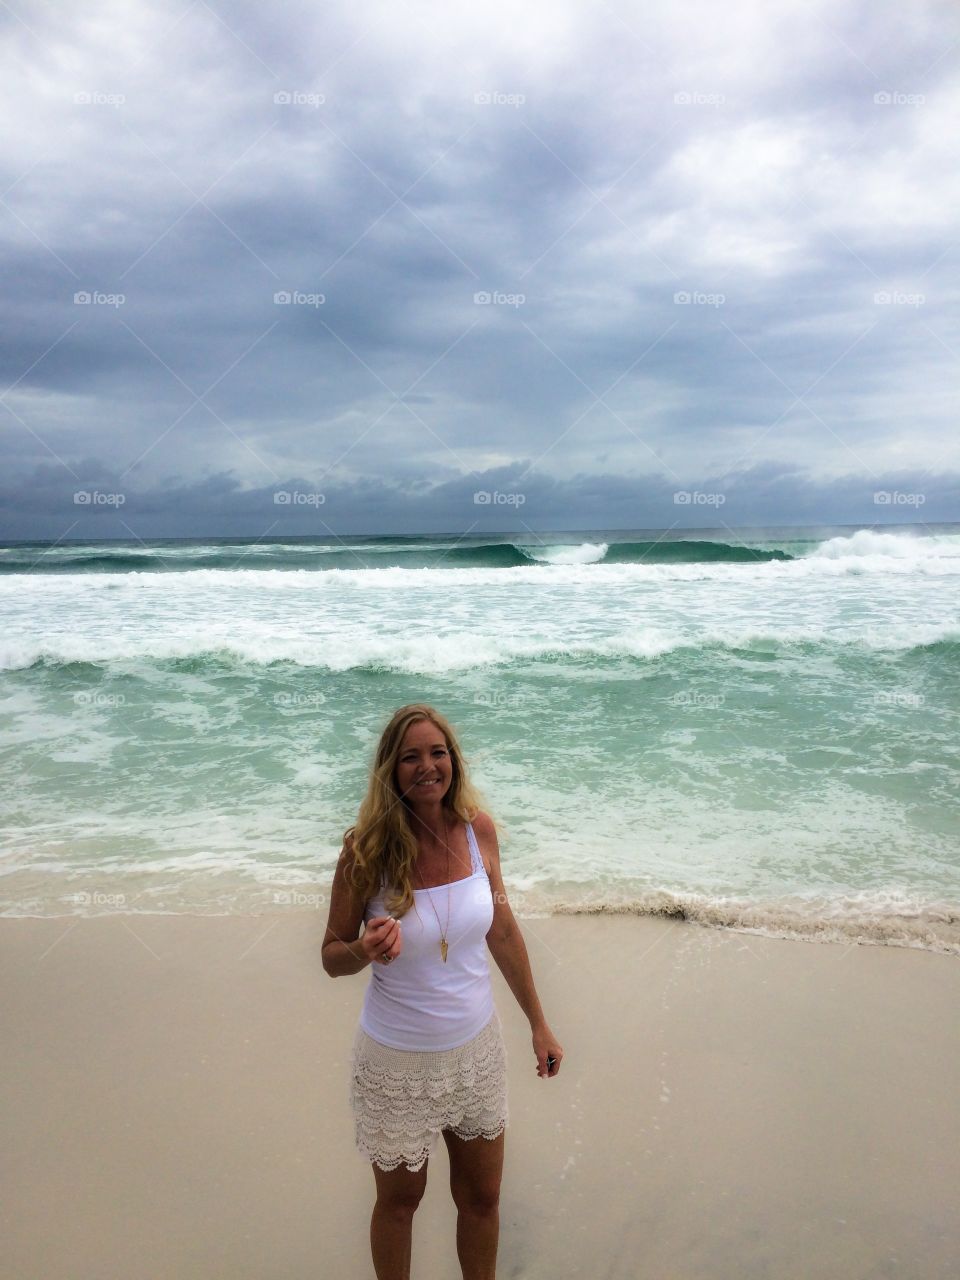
(718, 243)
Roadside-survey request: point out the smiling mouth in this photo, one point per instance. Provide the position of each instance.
(430, 782)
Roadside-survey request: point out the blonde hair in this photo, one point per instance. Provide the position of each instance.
(382, 839)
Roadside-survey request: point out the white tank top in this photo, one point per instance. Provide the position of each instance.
(419, 1001)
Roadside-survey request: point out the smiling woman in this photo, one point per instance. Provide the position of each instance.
(428, 1054)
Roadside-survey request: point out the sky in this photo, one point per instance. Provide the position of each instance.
(410, 268)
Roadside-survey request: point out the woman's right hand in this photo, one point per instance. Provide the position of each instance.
(381, 940)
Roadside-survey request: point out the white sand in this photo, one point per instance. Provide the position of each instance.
(175, 1102)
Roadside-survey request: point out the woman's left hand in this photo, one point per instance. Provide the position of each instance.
(545, 1044)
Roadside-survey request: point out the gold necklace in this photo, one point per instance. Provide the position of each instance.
(443, 935)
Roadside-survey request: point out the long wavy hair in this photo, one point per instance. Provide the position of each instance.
(382, 839)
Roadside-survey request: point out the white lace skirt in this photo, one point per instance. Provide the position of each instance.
(402, 1099)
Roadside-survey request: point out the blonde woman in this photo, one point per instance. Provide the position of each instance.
(421, 870)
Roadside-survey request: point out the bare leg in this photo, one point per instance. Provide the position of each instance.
(391, 1224)
(476, 1167)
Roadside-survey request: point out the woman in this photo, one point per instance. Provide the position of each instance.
(421, 869)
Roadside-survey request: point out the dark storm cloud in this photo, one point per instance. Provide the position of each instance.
(504, 499)
(731, 241)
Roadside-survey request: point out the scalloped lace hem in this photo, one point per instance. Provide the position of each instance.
(402, 1099)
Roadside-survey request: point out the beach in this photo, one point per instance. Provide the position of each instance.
(501, 461)
(730, 1105)
(724, 772)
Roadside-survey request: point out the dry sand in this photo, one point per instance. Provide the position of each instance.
(175, 1101)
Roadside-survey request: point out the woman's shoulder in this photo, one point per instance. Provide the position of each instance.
(485, 830)
(483, 824)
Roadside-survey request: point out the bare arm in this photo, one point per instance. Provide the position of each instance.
(511, 956)
(510, 952)
(344, 951)
(505, 939)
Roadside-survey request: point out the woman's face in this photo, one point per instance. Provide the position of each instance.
(424, 758)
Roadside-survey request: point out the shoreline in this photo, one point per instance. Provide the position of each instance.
(933, 928)
(729, 1104)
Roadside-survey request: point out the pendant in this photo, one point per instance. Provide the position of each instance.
(443, 947)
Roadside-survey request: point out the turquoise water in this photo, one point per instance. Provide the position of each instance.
(755, 729)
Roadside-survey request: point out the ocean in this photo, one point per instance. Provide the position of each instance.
(751, 729)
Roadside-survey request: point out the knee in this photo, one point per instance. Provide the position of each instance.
(478, 1199)
(399, 1204)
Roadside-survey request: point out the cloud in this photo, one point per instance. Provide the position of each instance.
(608, 253)
(506, 499)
